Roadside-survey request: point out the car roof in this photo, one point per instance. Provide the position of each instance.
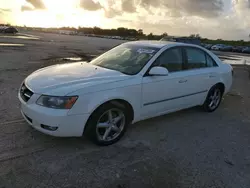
(158, 44)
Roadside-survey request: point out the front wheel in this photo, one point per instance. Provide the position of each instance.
(107, 124)
(213, 99)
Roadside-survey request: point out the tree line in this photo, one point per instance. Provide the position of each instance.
(139, 34)
(121, 31)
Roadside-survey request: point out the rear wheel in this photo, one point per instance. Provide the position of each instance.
(213, 99)
(107, 124)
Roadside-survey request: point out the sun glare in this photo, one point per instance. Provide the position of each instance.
(62, 14)
(59, 6)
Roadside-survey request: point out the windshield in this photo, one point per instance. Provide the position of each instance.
(126, 58)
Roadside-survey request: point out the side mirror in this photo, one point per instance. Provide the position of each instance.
(158, 71)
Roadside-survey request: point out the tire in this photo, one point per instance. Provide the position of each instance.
(100, 122)
(213, 99)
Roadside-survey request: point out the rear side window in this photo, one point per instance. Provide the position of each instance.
(195, 58)
(210, 61)
(170, 59)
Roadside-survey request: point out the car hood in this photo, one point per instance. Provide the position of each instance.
(63, 79)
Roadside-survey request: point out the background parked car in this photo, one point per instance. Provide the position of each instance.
(238, 49)
(217, 47)
(246, 50)
(226, 48)
(203, 45)
(208, 46)
(7, 29)
(222, 47)
(12, 30)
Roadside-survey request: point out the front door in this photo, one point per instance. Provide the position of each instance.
(162, 94)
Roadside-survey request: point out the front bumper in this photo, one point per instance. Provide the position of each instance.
(65, 125)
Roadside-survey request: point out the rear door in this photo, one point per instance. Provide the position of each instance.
(201, 72)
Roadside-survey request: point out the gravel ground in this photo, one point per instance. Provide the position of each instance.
(190, 148)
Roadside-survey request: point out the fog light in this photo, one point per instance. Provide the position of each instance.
(49, 127)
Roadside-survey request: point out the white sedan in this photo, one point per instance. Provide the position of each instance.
(131, 82)
(218, 47)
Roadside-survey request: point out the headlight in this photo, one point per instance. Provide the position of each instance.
(57, 102)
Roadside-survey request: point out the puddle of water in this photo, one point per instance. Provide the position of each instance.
(234, 59)
(20, 37)
(9, 44)
(72, 58)
(65, 59)
(229, 58)
(236, 62)
(82, 58)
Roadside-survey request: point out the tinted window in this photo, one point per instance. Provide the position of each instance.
(196, 58)
(170, 59)
(210, 62)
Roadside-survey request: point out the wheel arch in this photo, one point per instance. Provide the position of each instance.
(115, 101)
(221, 86)
(206, 103)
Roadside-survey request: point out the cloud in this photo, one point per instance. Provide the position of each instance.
(26, 8)
(5, 10)
(118, 7)
(245, 3)
(202, 8)
(150, 3)
(128, 6)
(169, 8)
(112, 9)
(242, 11)
(112, 12)
(241, 5)
(90, 5)
(37, 4)
(184, 26)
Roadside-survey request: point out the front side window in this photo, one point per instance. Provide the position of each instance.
(195, 58)
(170, 59)
(126, 58)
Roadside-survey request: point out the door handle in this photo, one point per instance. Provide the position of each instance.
(212, 76)
(182, 81)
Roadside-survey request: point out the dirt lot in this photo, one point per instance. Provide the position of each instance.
(190, 148)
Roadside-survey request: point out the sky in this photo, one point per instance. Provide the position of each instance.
(225, 19)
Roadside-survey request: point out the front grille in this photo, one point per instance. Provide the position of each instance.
(25, 93)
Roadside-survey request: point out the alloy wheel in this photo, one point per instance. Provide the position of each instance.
(214, 99)
(110, 124)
